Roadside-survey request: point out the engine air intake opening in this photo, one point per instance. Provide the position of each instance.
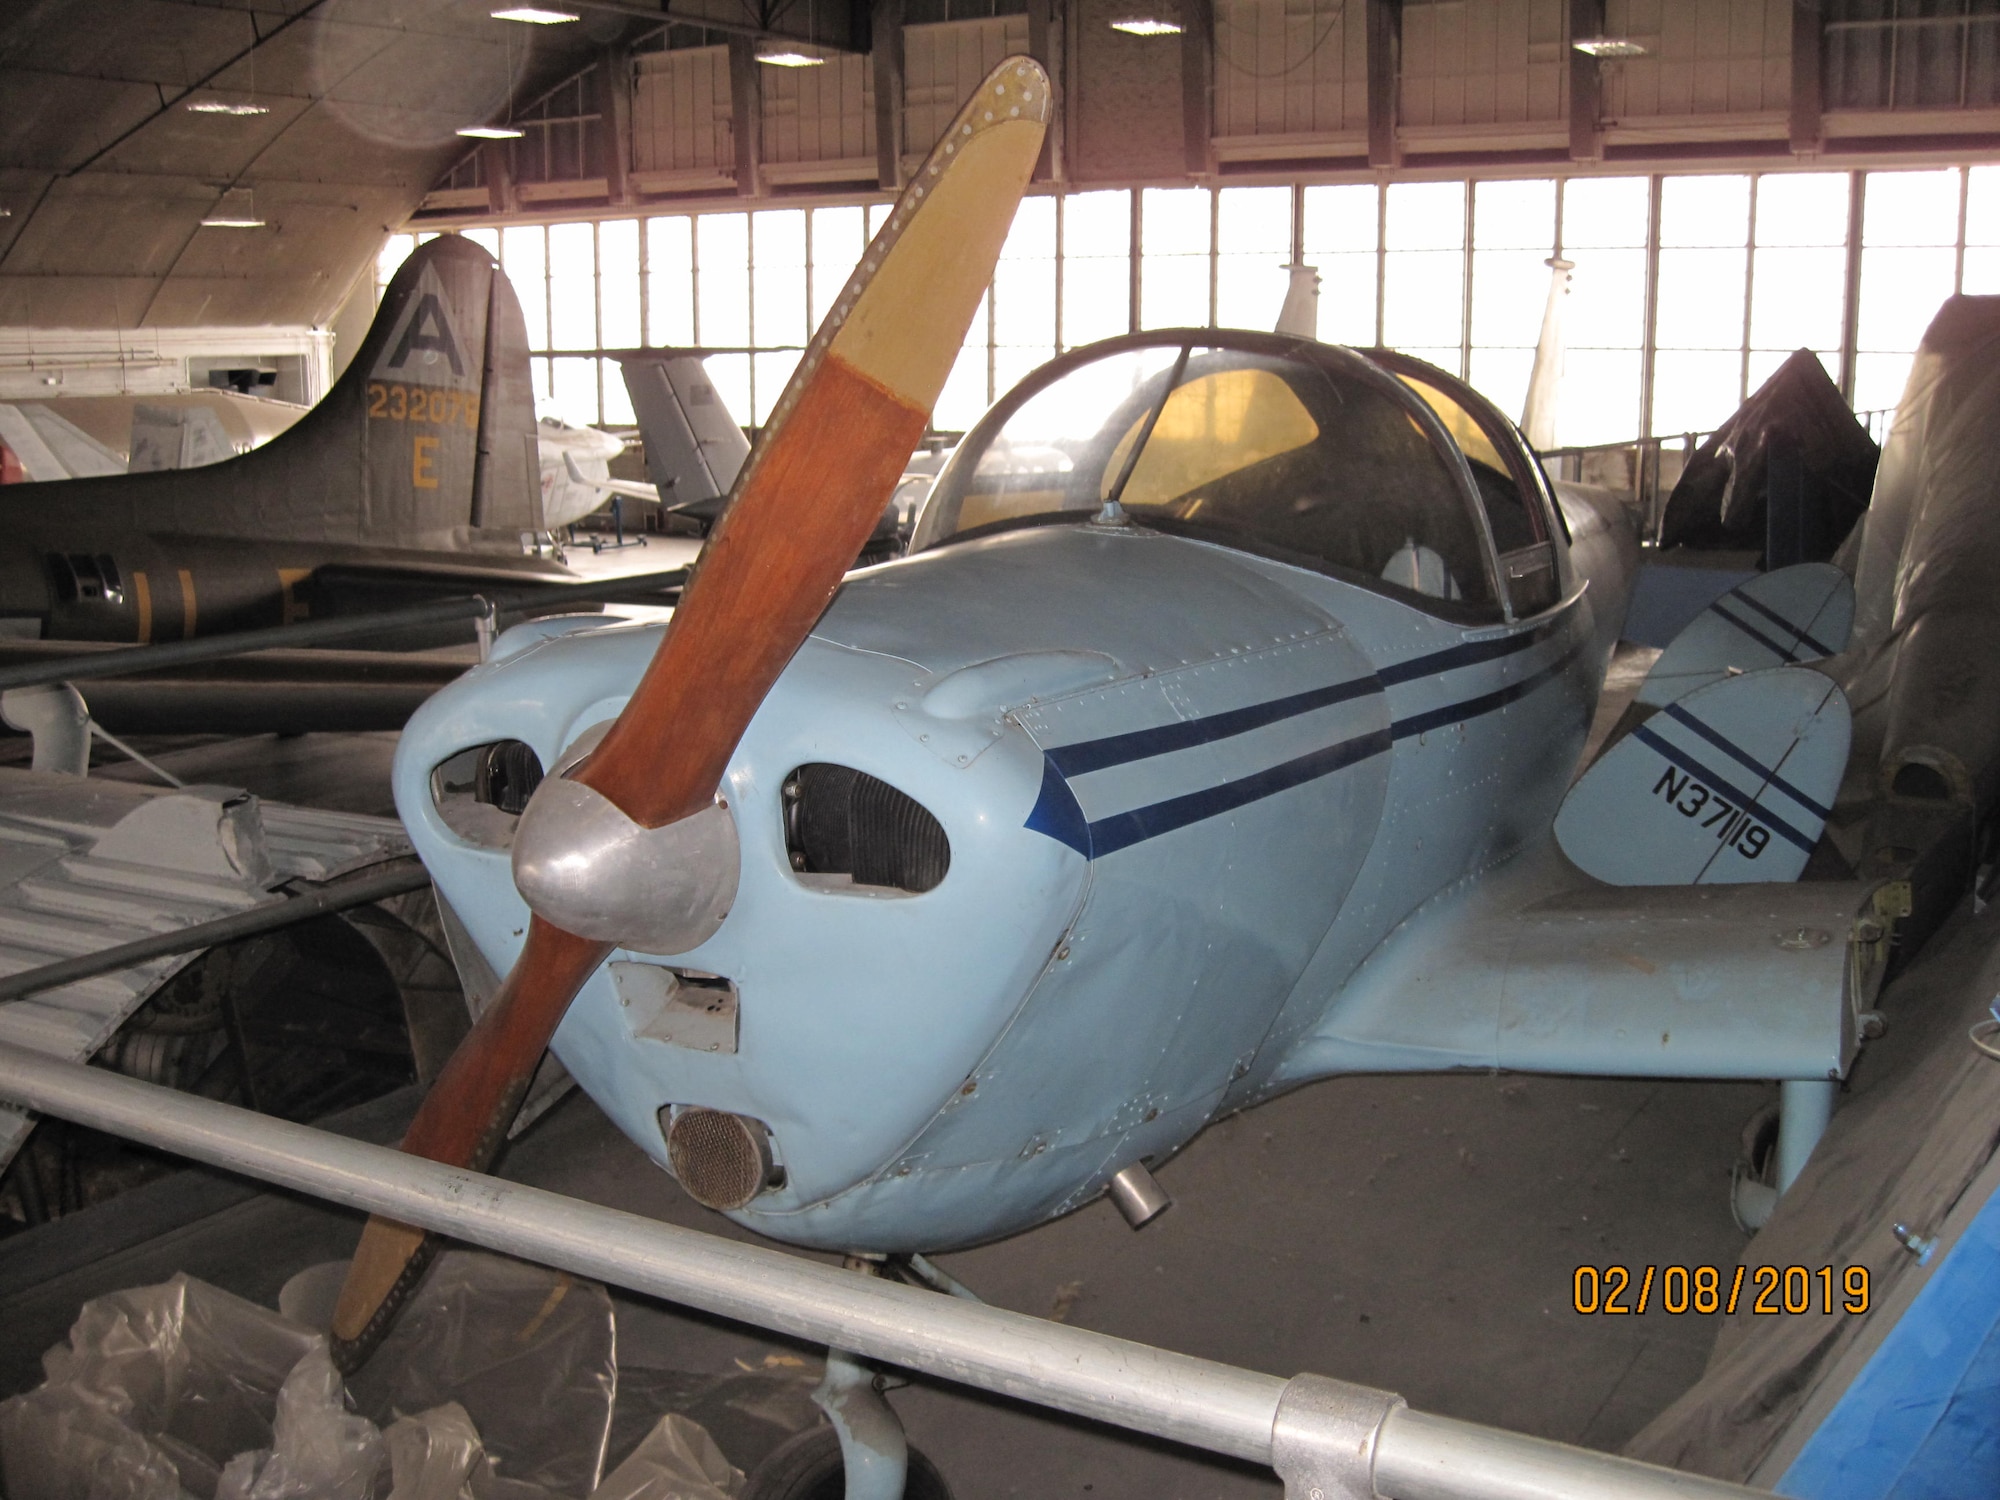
(721, 1160)
(840, 821)
(480, 793)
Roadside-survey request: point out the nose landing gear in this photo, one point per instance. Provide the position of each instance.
(862, 1454)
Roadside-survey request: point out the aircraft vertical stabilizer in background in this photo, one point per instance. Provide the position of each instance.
(1538, 412)
(694, 447)
(419, 473)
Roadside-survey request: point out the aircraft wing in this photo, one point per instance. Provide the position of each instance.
(1537, 967)
(632, 489)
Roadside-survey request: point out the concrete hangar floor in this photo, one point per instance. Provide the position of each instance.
(1419, 1233)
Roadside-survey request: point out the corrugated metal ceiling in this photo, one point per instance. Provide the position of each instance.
(106, 174)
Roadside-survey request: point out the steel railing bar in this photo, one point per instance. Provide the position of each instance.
(1418, 1456)
(128, 660)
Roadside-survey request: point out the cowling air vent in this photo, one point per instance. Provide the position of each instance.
(480, 792)
(721, 1160)
(506, 774)
(839, 821)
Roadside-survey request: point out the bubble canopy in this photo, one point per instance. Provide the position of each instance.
(1302, 452)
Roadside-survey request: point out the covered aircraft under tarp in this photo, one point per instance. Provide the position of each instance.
(1927, 572)
(1787, 475)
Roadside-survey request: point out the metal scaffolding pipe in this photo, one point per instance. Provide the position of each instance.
(1175, 1396)
(88, 665)
(335, 896)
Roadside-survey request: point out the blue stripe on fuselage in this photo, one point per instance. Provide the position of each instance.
(1058, 814)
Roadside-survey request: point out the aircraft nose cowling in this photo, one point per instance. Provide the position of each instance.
(582, 864)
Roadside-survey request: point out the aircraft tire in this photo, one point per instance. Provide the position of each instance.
(809, 1467)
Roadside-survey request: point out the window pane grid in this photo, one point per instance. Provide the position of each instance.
(1748, 269)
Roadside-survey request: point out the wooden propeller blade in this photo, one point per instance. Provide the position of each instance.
(804, 504)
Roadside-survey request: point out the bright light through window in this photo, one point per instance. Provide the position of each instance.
(1748, 270)
(1097, 267)
(778, 314)
(1174, 265)
(1253, 243)
(1423, 270)
(722, 250)
(1982, 232)
(670, 282)
(1024, 294)
(573, 287)
(1513, 236)
(525, 258)
(1340, 233)
(618, 285)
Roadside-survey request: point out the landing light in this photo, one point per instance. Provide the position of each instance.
(226, 107)
(490, 132)
(535, 15)
(1147, 23)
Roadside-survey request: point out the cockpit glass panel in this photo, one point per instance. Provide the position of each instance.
(1514, 514)
(1212, 426)
(1275, 455)
(1511, 515)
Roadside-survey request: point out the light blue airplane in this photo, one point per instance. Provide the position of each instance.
(1218, 735)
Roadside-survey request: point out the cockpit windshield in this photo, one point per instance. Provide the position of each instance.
(1291, 457)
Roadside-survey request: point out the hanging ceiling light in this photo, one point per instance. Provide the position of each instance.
(226, 107)
(1610, 46)
(1154, 22)
(489, 132)
(237, 209)
(535, 15)
(789, 55)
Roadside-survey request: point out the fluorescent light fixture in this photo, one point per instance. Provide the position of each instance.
(534, 15)
(1610, 46)
(236, 210)
(1147, 23)
(490, 132)
(226, 107)
(788, 55)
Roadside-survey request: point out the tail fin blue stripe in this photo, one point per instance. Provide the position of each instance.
(1744, 802)
(1783, 653)
(1682, 716)
(1799, 631)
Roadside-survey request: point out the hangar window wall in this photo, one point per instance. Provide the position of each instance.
(1688, 290)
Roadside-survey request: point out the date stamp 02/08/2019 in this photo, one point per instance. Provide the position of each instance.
(1775, 1290)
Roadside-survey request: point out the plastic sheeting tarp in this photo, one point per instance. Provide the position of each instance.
(1922, 672)
(182, 1389)
(1795, 429)
(499, 1383)
(1913, 1131)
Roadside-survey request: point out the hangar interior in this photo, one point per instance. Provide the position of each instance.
(1456, 539)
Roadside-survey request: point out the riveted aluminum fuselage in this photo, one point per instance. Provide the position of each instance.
(1187, 792)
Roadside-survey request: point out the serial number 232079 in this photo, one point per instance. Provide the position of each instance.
(416, 403)
(1732, 824)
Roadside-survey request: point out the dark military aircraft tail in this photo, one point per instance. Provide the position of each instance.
(418, 472)
(427, 440)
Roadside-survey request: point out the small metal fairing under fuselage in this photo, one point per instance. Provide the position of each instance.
(1187, 790)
